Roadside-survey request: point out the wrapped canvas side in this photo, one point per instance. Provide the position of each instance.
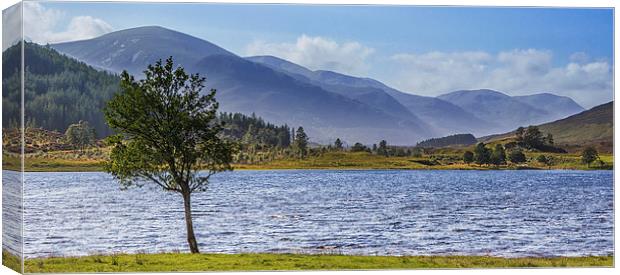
(12, 137)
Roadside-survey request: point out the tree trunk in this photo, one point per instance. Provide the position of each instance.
(191, 238)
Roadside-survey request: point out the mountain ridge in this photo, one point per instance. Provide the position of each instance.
(284, 92)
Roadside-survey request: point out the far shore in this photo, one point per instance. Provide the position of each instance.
(346, 163)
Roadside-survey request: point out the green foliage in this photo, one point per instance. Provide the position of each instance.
(168, 132)
(417, 152)
(458, 139)
(253, 130)
(338, 144)
(358, 147)
(517, 156)
(80, 134)
(58, 90)
(589, 155)
(498, 157)
(546, 160)
(382, 150)
(482, 154)
(301, 142)
(531, 137)
(468, 157)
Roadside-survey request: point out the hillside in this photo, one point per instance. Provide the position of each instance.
(441, 116)
(59, 90)
(452, 140)
(557, 107)
(592, 127)
(133, 49)
(495, 106)
(328, 104)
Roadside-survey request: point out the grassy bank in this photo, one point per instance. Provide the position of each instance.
(448, 161)
(11, 261)
(240, 262)
(72, 162)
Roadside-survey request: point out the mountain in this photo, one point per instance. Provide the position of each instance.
(443, 117)
(249, 87)
(556, 106)
(369, 95)
(489, 105)
(59, 90)
(328, 104)
(592, 127)
(134, 49)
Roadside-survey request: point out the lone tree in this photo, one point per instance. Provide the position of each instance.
(301, 142)
(382, 150)
(589, 155)
(517, 156)
(498, 156)
(167, 133)
(482, 154)
(468, 157)
(338, 144)
(358, 147)
(80, 134)
(530, 137)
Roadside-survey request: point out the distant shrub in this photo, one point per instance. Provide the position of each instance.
(517, 156)
(468, 157)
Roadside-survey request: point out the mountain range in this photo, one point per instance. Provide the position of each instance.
(327, 104)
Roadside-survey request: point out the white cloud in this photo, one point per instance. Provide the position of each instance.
(40, 25)
(515, 72)
(318, 53)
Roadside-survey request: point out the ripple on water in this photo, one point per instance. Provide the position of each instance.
(502, 213)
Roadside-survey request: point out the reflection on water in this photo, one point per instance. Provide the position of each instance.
(502, 213)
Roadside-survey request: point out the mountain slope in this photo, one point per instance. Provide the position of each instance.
(490, 105)
(443, 117)
(134, 49)
(248, 87)
(556, 106)
(591, 127)
(371, 96)
(59, 90)
(280, 98)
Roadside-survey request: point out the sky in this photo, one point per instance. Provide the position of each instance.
(421, 50)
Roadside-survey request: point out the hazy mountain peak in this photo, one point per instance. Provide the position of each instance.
(133, 49)
(471, 94)
(281, 65)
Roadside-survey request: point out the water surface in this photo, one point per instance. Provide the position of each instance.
(501, 213)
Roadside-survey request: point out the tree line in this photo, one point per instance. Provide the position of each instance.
(59, 91)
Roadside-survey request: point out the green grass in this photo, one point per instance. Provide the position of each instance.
(363, 160)
(54, 162)
(11, 261)
(44, 164)
(242, 262)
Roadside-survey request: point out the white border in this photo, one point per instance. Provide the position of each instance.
(505, 3)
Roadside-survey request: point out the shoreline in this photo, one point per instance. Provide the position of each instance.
(163, 262)
(87, 170)
(329, 161)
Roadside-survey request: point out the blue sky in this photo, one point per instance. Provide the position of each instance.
(423, 50)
